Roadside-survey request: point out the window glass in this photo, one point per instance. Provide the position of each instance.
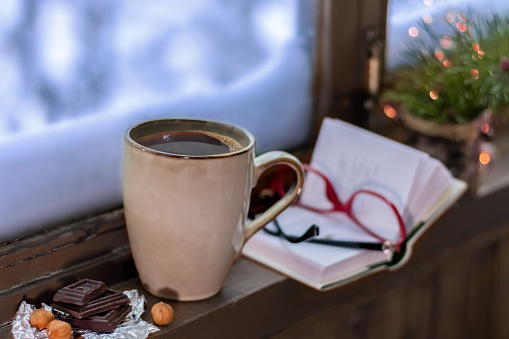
(76, 74)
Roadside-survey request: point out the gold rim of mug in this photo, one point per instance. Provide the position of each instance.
(248, 134)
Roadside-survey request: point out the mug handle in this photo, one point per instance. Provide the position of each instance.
(262, 163)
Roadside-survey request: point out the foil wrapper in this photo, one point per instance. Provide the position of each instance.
(133, 327)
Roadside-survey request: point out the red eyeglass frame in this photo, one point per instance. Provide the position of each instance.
(346, 207)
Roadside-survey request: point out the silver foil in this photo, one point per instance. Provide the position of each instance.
(133, 327)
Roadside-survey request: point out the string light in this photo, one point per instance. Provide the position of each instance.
(446, 42)
(427, 19)
(389, 111)
(485, 127)
(485, 157)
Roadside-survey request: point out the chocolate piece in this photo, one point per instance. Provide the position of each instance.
(106, 301)
(80, 292)
(104, 322)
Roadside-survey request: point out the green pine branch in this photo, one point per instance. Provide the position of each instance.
(472, 75)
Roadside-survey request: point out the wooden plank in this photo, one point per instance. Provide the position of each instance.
(24, 261)
(480, 291)
(387, 318)
(334, 322)
(31, 246)
(417, 307)
(449, 299)
(498, 326)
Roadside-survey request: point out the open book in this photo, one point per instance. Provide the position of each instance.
(420, 187)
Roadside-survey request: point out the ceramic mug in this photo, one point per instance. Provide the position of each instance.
(186, 209)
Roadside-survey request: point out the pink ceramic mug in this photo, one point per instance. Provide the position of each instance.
(187, 188)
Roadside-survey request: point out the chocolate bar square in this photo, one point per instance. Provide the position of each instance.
(104, 322)
(108, 300)
(80, 292)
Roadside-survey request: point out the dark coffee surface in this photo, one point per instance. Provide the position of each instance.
(192, 143)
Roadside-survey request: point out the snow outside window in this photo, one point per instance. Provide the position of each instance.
(76, 74)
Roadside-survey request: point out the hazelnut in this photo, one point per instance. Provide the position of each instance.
(162, 313)
(40, 318)
(58, 329)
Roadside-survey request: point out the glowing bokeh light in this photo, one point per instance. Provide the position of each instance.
(451, 17)
(485, 157)
(475, 74)
(485, 127)
(390, 111)
(446, 42)
(428, 2)
(447, 63)
(413, 31)
(481, 53)
(433, 95)
(439, 55)
(461, 26)
(427, 19)
(475, 47)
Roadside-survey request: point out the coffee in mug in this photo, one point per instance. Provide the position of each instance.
(187, 188)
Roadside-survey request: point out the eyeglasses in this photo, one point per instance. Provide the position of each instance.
(366, 208)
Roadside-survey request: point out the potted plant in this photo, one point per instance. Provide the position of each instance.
(449, 83)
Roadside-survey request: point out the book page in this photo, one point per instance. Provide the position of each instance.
(431, 181)
(354, 158)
